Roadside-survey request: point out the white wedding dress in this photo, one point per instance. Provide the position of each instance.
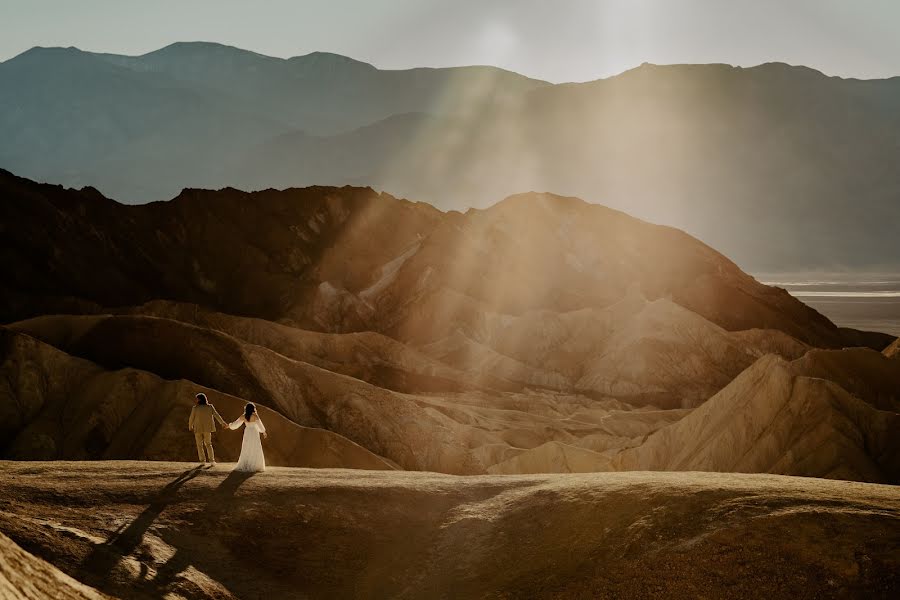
(252, 459)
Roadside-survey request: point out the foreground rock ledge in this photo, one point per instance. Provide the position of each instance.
(147, 529)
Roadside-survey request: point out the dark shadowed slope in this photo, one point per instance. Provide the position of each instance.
(864, 373)
(142, 530)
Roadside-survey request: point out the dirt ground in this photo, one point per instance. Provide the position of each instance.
(158, 529)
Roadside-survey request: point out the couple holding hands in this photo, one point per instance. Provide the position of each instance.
(203, 423)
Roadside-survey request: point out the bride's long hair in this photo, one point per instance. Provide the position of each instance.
(249, 410)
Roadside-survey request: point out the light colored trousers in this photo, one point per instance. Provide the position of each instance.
(204, 440)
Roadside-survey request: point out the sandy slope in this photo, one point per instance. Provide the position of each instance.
(773, 418)
(866, 374)
(53, 405)
(146, 529)
(26, 577)
(461, 433)
(639, 351)
(366, 355)
(831, 413)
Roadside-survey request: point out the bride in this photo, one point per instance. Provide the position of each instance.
(252, 458)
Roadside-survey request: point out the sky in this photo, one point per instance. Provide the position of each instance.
(556, 40)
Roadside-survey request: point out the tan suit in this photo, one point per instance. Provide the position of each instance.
(203, 424)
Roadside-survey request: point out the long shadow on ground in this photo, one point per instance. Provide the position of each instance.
(99, 565)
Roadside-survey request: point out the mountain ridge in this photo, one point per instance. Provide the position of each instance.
(344, 211)
(218, 46)
(735, 156)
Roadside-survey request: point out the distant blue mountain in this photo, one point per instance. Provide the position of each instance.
(780, 167)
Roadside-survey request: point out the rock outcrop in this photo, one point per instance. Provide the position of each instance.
(893, 351)
(26, 577)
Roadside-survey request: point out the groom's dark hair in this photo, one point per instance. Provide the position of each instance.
(201, 398)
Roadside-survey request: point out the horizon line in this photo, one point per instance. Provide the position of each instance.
(460, 66)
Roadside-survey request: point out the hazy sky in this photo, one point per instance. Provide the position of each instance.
(561, 40)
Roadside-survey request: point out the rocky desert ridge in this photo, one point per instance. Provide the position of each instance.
(543, 398)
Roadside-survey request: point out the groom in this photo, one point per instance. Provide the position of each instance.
(203, 426)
